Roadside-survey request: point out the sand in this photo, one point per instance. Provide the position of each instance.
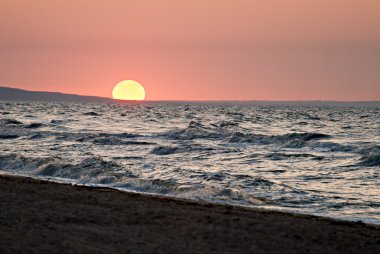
(45, 217)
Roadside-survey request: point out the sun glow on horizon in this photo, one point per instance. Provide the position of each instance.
(128, 90)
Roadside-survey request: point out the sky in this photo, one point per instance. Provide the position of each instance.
(194, 50)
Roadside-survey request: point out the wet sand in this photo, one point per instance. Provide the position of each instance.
(45, 217)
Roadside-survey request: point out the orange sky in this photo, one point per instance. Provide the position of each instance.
(194, 50)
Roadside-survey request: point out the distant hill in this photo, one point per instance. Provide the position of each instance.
(13, 94)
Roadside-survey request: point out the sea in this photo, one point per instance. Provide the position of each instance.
(320, 160)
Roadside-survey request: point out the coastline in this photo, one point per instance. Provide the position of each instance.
(39, 215)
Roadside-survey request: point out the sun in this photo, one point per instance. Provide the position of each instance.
(128, 90)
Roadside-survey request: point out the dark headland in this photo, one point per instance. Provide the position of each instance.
(14, 94)
(45, 217)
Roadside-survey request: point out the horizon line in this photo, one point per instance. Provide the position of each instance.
(186, 100)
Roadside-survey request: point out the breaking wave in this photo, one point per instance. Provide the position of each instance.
(196, 130)
(370, 156)
(89, 170)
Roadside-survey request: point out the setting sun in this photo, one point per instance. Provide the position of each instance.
(128, 90)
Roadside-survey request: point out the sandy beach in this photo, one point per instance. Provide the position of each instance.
(45, 217)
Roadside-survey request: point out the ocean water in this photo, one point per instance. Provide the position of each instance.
(314, 160)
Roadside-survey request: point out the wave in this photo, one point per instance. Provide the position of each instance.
(195, 130)
(308, 136)
(224, 124)
(334, 147)
(99, 138)
(91, 113)
(8, 136)
(119, 135)
(57, 121)
(370, 157)
(37, 136)
(89, 170)
(14, 129)
(10, 122)
(33, 125)
(221, 130)
(116, 141)
(268, 139)
(95, 170)
(164, 150)
(201, 191)
(15, 123)
(285, 156)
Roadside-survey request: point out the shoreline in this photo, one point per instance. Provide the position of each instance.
(40, 215)
(188, 200)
